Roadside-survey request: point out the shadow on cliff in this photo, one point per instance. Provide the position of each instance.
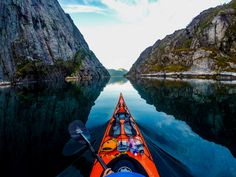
(209, 108)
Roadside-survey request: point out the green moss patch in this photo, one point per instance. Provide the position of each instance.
(176, 68)
(223, 63)
(233, 4)
(204, 23)
(178, 51)
(156, 68)
(169, 68)
(37, 70)
(231, 31)
(187, 43)
(231, 70)
(29, 68)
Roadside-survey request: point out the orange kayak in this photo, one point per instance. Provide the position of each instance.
(123, 148)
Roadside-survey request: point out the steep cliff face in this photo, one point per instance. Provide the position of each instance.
(207, 44)
(39, 41)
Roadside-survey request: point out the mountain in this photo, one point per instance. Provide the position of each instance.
(207, 46)
(38, 41)
(117, 72)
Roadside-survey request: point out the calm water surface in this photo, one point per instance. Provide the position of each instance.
(190, 127)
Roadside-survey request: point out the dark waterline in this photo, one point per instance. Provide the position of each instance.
(190, 130)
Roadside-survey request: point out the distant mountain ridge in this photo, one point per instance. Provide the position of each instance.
(117, 72)
(38, 41)
(206, 46)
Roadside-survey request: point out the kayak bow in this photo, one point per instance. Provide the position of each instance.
(123, 148)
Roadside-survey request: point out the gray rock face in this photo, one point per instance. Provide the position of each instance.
(207, 44)
(40, 31)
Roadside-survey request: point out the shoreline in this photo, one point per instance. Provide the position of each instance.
(7, 84)
(197, 80)
(192, 75)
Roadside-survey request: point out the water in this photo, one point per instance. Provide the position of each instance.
(189, 126)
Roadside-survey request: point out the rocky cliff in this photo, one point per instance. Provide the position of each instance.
(39, 41)
(206, 46)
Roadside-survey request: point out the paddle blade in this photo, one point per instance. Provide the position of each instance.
(76, 128)
(72, 147)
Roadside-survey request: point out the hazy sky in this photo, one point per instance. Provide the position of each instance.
(119, 30)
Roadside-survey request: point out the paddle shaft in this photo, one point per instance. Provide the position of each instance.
(104, 166)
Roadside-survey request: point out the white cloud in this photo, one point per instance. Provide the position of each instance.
(75, 8)
(129, 10)
(120, 45)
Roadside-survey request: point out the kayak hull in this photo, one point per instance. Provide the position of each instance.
(124, 133)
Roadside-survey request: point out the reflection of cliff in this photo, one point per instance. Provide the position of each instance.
(33, 126)
(209, 108)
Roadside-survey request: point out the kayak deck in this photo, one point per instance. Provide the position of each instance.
(123, 148)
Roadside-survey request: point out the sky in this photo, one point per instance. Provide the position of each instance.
(117, 31)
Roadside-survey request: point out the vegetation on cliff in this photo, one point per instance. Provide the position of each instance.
(33, 70)
(42, 42)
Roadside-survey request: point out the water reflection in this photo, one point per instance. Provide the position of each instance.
(176, 149)
(34, 120)
(118, 80)
(208, 107)
(33, 125)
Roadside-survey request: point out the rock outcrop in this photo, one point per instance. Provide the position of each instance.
(39, 41)
(206, 45)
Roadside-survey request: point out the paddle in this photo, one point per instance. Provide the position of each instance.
(79, 140)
